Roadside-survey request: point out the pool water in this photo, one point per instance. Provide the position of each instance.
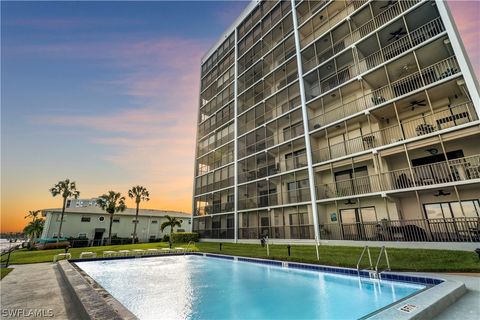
(196, 287)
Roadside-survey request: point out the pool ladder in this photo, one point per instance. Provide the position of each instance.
(374, 271)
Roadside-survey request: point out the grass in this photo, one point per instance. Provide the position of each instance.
(400, 259)
(4, 272)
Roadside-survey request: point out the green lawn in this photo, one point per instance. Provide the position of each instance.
(400, 259)
(4, 272)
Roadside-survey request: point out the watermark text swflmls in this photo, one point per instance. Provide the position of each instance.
(27, 313)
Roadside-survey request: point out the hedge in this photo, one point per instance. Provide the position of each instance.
(184, 237)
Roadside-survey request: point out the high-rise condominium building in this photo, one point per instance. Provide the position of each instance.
(339, 120)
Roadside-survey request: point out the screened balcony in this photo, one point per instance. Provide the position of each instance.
(409, 128)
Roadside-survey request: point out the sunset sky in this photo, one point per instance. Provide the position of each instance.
(105, 93)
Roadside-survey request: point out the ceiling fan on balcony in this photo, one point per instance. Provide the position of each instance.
(397, 34)
(416, 104)
(406, 69)
(389, 4)
(441, 193)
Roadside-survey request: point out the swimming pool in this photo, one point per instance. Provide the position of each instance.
(197, 287)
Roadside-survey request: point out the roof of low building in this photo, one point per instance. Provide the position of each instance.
(127, 212)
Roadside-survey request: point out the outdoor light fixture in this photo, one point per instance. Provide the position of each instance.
(349, 201)
(432, 151)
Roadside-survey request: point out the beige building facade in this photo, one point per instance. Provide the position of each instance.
(93, 223)
(339, 120)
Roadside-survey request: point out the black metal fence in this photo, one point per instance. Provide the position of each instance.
(434, 230)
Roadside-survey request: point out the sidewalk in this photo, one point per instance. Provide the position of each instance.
(468, 306)
(35, 291)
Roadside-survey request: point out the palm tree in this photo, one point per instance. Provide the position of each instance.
(33, 229)
(111, 202)
(138, 193)
(33, 214)
(65, 189)
(171, 222)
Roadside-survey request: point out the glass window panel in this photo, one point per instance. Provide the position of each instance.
(368, 214)
(433, 211)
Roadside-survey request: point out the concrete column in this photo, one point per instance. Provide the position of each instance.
(311, 177)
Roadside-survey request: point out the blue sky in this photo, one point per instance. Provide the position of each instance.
(106, 94)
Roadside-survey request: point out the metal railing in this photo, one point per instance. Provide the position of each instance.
(273, 167)
(368, 27)
(460, 169)
(365, 249)
(304, 231)
(276, 111)
(277, 137)
(405, 85)
(418, 126)
(383, 252)
(292, 196)
(462, 229)
(415, 37)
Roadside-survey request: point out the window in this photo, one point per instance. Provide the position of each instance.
(134, 221)
(85, 219)
(471, 208)
(101, 218)
(116, 220)
(154, 221)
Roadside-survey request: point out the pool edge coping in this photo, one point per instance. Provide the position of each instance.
(88, 299)
(437, 295)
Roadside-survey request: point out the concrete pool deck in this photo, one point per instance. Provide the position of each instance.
(36, 289)
(40, 286)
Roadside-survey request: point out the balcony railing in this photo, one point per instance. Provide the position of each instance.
(214, 208)
(275, 198)
(463, 229)
(405, 85)
(223, 233)
(418, 126)
(415, 37)
(275, 112)
(362, 31)
(277, 167)
(461, 169)
(276, 137)
(278, 232)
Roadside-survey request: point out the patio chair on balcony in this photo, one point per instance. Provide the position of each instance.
(378, 100)
(449, 72)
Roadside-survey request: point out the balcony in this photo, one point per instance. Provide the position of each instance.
(462, 169)
(464, 229)
(418, 126)
(415, 81)
(319, 30)
(362, 31)
(276, 198)
(414, 38)
(278, 167)
(278, 232)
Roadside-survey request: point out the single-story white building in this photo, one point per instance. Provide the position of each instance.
(92, 223)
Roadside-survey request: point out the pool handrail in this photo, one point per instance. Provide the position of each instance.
(383, 251)
(367, 249)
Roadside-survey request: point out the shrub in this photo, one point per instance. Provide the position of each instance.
(184, 237)
(166, 238)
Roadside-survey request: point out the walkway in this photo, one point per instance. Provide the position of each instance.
(468, 306)
(36, 289)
